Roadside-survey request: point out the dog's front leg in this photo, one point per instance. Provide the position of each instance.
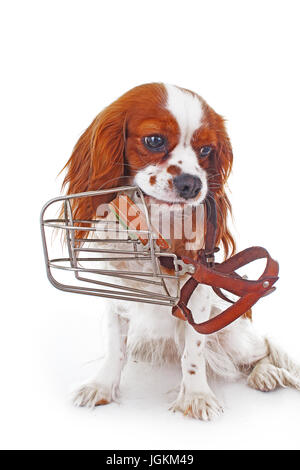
(195, 398)
(104, 386)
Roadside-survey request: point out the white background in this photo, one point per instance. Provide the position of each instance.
(61, 63)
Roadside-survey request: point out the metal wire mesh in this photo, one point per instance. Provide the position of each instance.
(114, 267)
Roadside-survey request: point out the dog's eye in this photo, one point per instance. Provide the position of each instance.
(155, 142)
(205, 151)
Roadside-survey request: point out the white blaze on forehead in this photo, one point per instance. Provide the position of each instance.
(187, 110)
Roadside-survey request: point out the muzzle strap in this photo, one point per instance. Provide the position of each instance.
(223, 276)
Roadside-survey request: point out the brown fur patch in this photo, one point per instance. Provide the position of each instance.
(174, 170)
(170, 183)
(248, 314)
(152, 179)
(192, 372)
(102, 402)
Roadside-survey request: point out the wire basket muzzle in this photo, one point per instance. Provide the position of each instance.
(104, 258)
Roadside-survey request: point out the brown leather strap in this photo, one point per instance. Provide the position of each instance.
(229, 315)
(211, 231)
(223, 276)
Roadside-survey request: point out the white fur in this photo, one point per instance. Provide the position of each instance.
(187, 110)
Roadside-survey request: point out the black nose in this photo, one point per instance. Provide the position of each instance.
(187, 186)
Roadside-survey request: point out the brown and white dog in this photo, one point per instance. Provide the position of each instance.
(167, 141)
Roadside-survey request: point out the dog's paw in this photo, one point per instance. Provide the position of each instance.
(267, 377)
(94, 394)
(201, 406)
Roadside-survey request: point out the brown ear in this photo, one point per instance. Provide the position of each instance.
(222, 164)
(97, 161)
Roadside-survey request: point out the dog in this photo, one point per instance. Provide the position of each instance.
(174, 147)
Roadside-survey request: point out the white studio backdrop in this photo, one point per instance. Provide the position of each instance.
(62, 62)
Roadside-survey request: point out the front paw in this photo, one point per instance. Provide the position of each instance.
(94, 394)
(202, 406)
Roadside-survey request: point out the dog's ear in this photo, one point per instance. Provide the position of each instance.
(97, 161)
(222, 164)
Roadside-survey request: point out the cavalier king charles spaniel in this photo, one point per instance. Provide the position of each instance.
(171, 144)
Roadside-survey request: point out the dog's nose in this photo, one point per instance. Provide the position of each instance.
(187, 186)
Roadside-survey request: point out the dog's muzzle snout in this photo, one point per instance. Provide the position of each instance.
(187, 186)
